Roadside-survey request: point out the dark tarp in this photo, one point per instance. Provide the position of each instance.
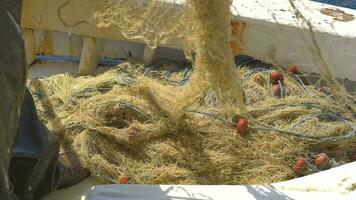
(28, 156)
(34, 170)
(12, 84)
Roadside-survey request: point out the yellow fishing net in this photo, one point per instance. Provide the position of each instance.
(159, 126)
(120, 123)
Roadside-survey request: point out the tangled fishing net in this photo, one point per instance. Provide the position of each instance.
(119, 123)
(169, 124)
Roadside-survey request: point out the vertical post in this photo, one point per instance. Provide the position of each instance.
(237, 34)
(148, 54)
(30, 45)
(89, 57)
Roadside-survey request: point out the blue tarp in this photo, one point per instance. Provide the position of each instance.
(343, 3)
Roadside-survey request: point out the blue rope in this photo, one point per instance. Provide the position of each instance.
(282, 89)
(303, 87)
(105, 62)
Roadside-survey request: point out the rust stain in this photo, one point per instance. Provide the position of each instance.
(47, 43)
(338, 14)
(237, 33)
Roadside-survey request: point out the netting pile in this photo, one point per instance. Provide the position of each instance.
(119, 123)
(178, 126)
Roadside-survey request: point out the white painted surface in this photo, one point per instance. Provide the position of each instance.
(333, 184)
(281, 12)
(273, 34)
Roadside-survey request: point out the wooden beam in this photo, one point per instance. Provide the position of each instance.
(31, 47)
(89, 57)
(148, 54)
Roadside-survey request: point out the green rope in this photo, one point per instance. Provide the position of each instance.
(264, 127)
(141, 112)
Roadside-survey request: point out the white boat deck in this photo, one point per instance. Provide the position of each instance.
(334, 184)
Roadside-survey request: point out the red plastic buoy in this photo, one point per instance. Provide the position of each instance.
(124, 179)
(321, 89)
(292, 69)
(300, 165)
(242, 126)
(276, 76)
(276, 89)
(133, 132)
(322, 161)
(253, 100)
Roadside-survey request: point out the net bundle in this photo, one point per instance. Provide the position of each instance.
(119, 124)
(179, 127)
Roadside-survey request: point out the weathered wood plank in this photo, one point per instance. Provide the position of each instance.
(89, 57)
(72, 16)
